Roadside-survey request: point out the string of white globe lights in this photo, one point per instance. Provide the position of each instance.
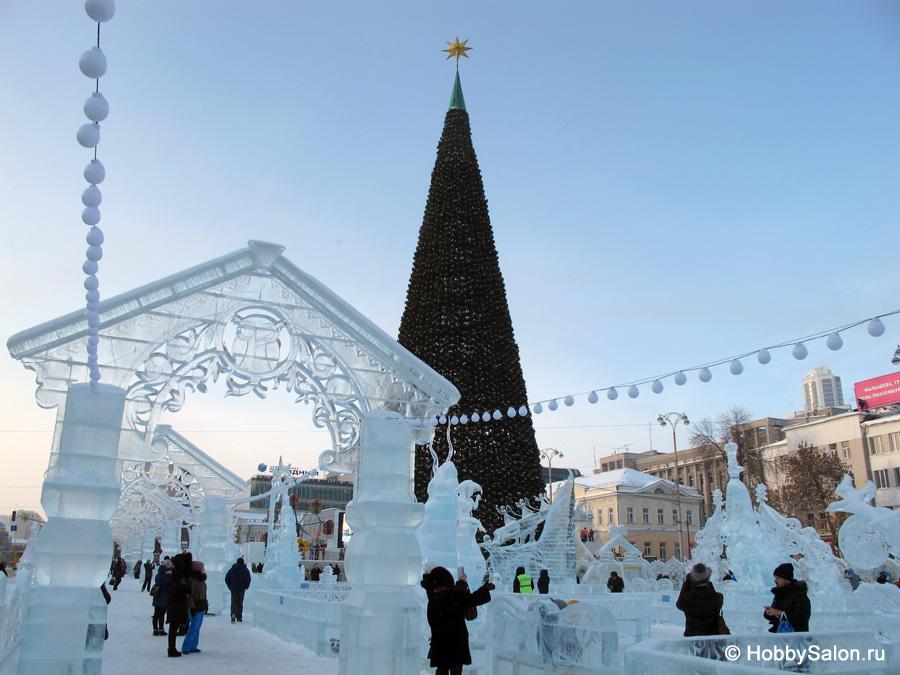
(93, 65)
(833, 341)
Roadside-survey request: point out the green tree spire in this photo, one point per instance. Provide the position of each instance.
(457, 320)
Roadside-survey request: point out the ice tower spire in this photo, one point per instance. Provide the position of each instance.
(457, 320)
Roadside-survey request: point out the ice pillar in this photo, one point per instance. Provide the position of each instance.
(136, 550)
(149, 547)
(65, 620)
(171, 539)
(381, 617)
(213, 539)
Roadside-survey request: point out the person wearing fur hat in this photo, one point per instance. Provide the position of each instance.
(177, 614)
(700, 603)
(791, 601)
(198, 608)
(447, 603)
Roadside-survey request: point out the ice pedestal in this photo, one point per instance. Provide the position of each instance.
(381, 618)
(64, 624)
(213, 539)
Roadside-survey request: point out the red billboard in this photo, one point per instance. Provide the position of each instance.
(878, 391)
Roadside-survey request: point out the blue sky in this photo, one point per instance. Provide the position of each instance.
(669, 184)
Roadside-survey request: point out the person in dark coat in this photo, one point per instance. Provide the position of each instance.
(315, 573)
(148, 575)
(237, 579)
(137, 570)
(615, 583)
(199, 606)
(447, 603)
(523, 582)
(791, 601)
(700, 603)
(117, 569)
(177, 611)
(161, 599)
(543, 582)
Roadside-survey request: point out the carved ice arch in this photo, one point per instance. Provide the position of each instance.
(253, 320)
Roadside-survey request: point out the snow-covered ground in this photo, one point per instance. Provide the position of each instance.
(226, 648)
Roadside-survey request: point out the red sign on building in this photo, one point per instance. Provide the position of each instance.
(878, 391)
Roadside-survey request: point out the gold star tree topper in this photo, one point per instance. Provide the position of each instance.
(457, 49)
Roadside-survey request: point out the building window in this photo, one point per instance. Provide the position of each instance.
(691, 480)
(881, 479)
(897, 477)
(645, 517)
(647, 550)
(832, 448)
(845, 449)
(689, 517)
(678, 550)
(610, 514)
(875, 447)
(662, 550)
(895, 441)
(675, 518)
(629, 514)
(701, 482)
(660, 517)
(599, 516)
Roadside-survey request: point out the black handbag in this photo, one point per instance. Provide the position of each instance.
(154, 590)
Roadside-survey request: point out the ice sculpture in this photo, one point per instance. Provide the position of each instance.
(171, 539)
(871, 533)
(213, 539)
(282, 568)
(468, 551)
(71, 555)
(630, 566)
(516, 542)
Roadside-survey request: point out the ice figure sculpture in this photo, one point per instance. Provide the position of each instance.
(282, 567)
(71, 555)
(630, 566)
(710, 540)
(516, 542)
(871, 533)
(281, 476)
(468, 551)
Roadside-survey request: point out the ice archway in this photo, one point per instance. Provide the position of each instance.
(258, 323)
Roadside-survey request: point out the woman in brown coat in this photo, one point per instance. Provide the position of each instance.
(198, 605)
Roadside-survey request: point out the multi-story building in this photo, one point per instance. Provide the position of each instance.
(334, 494)
(883, 443)
(821, 389)
(648, 507)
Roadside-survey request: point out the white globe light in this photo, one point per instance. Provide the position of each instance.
(680, 378)
(476, 417)
(538, 408)
(96, 108)
(443, 419)
(91, 283)
(511, 412)
(799, 351)
(90, 216)
(88, 135)
(523, 411)
(834, 342)
(705, 375)
(763, 356)
(464, 420)
(454, 420)
(433, 421)
(95, 236)
(657, 387)
(92, 295)
(553, 405)
(94, 172)
(497, 415)
(633, 391)
(569, 401)
(612, 394)
(875, 327)
(93, 63)
(90, 267)
(736, 367)
(94, 253)
(93, 305)
(592, 397)
(91, 197)
(100, 11)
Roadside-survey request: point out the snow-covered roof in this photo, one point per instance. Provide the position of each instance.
(627, 478)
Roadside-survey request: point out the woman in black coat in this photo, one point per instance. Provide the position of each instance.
(791, 601)
(177, 614)
(161, 599)
(447, 603)
(700, 603)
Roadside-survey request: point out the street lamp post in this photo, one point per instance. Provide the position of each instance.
(549, 454)
(672, 419)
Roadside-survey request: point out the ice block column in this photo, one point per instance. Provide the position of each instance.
(171, 539)
(213, 539)
(150, 543)
(136, 551)
(65, 620)
(381, 617)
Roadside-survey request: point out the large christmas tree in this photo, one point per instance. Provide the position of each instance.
(457, 321)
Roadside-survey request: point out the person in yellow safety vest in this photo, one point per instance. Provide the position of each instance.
(522, 583)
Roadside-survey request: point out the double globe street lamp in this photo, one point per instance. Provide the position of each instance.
(549, 454)
(672, 419)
